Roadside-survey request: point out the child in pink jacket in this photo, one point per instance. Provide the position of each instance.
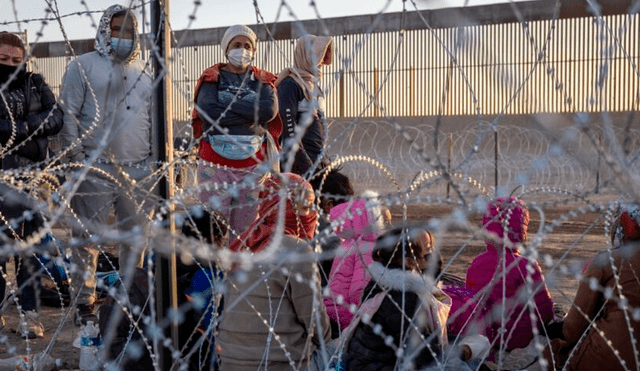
(358, 223)
(523, 278)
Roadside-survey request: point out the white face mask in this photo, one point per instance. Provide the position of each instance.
(240, 58)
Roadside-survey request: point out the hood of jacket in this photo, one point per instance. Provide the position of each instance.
(359, 219)
(437, 304)
(103, 36)
(506, 217)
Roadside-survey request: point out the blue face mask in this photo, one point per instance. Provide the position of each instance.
(121, 47)
(236, 147)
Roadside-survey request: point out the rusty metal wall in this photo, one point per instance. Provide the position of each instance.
(558, 65)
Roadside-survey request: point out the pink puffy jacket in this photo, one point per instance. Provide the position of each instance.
(523, 276)
(359, 225)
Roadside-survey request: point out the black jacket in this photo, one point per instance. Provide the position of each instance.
(367, 350)
(43, 117)
(290, 95)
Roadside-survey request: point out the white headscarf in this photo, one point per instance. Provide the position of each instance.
(311, 52)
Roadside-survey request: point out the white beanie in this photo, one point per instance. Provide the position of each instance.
(238, 30)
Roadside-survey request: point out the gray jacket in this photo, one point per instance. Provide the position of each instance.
(107, 102)
(287, 301)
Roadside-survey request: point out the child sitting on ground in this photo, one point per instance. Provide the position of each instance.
(462, 305)
(507, 311)
(332, 189)
(358, 223)
(403, 308)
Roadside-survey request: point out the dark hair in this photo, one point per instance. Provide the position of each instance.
(335, 184)
(210, 226)
(389, 247)
(8, 38)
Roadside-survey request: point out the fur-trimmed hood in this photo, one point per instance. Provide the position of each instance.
(437, 303)
(398, 279)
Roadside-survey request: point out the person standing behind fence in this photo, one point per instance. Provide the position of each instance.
(106, 96)
(28, 117)
(236, 117)
(302, 103)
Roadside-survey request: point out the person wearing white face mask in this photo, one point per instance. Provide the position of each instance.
(106, 99)
(236, 120)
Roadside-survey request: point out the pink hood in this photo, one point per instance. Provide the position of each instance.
(506, 213)
(358, 219)
(358, 222)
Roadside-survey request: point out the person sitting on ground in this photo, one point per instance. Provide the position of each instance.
(199, 299)
(358, 223)
(332, 190)
(599, 331)
(200, 284)
(463, 307)
(273, 317)
(506, 316)
(407, 311)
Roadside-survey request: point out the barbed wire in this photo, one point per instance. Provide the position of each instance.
(564, 178)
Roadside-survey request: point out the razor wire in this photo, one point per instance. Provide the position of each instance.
(579, 169)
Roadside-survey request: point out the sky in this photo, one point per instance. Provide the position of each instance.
(77, 24)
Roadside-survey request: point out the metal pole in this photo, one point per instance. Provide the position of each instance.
(342, 98)
(450, 146)
(412, 91)
(376, 110)
(597, 190)
(495, 150)
(166, 280)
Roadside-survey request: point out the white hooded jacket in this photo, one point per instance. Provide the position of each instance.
(104, 98)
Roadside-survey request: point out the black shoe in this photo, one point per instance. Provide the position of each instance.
(84, 314)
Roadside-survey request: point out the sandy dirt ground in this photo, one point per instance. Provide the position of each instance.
(570, 242)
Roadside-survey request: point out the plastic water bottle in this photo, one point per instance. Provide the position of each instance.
(16, 363)
(90, 343)
(339, 364)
